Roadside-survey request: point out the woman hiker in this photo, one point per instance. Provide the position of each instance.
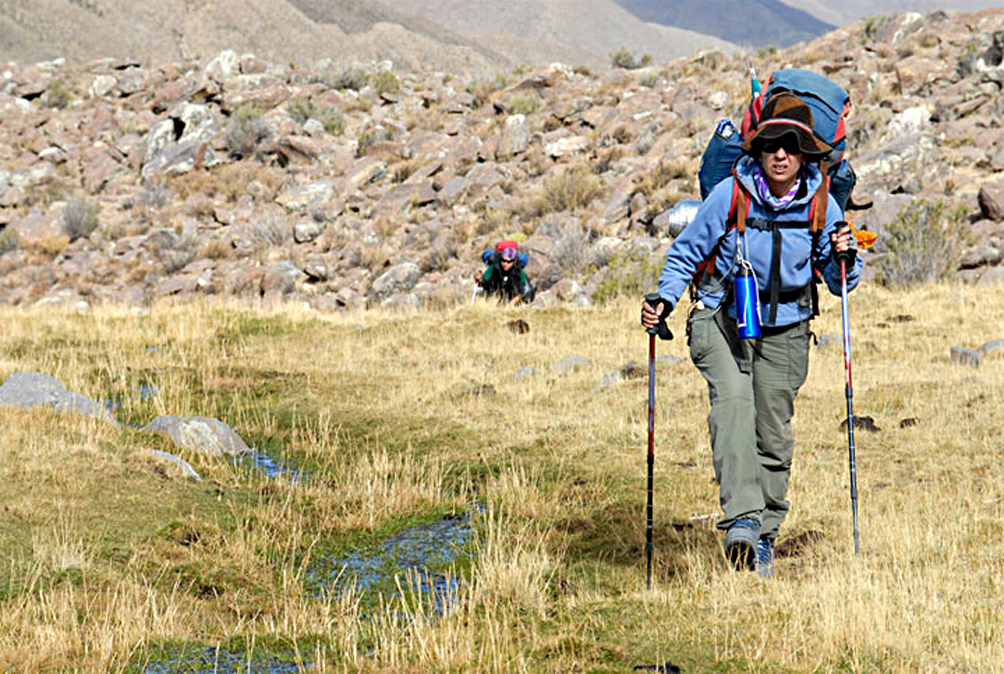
(753, 379)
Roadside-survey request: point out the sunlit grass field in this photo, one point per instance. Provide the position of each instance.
(111, 557)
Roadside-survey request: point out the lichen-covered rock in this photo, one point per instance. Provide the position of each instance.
(200, 434)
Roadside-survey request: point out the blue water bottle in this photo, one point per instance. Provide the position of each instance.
(747, 302)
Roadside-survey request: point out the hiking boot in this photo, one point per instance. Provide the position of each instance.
(765, 558)
(740, 544)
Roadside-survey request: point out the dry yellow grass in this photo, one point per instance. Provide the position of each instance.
(401, 417)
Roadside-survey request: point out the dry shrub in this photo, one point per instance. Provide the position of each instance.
(570, 189)
(49, 246)
(230, 181)
(923, 244)
(386, 225)
(246, 130)
(216, 249)
(375, 257)
(80, 218)
(662, 175)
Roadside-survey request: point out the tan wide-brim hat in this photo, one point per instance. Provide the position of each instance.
(786, 113)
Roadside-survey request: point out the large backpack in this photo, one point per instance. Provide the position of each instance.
(829, 103)
(492, 256)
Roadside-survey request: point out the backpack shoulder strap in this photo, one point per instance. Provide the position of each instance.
(817, 209)
(739, 207)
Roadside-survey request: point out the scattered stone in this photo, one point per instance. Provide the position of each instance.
(963, 355)
(34, 389)
(525, 372)
(908, 422)
(519, 326)
(185, 467)
(861, 423)
(992, 345)
(570, 364)
(200, 434)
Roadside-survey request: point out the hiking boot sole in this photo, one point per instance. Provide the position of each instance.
(741, 555)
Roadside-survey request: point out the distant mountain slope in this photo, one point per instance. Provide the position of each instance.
(594, 27)
(169, 30)
(745, 22)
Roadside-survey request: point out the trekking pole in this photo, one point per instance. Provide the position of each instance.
(844, 257)
(662, 330)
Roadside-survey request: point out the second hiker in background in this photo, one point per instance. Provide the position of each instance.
(504, 275)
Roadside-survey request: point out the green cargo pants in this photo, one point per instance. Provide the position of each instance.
(752, 384)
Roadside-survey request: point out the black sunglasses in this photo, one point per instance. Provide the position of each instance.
(788, 141)
(506, 260)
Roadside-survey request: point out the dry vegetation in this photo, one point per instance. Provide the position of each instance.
(111, 555)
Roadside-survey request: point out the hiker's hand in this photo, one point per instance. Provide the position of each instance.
(845, 246)
(653, 311)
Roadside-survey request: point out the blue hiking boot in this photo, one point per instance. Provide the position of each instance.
(765, 558)
(740, 544)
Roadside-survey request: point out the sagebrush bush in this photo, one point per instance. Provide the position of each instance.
(568, 190)
(9, 240)
(80, 218)
(385, 82)
(58, 96)
(922, 244)
(247, 129)
(627, 276)
(622, 58)
(525, 104)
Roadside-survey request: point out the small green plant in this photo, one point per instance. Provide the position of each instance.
(627, 276)
(350, 78)
(649, 80)
(9, 240)
(302, 109)
(58, 96)
(622, 58)
(247, 129)
(80, 218)
(386, 82)
(525, 104)
(871, 25)
(923, 243)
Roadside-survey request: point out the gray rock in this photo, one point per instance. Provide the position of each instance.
(398, 278)
(178, 142)
(306, 231)
(200, 434)
(962, 355)
(829, 341)
(991, 200)
(992, 345)
(185, 467)
(570, 364)
(525, 372)
(611, 378)
(34, 389)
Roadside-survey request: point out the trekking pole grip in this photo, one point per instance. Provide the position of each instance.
(660, 329)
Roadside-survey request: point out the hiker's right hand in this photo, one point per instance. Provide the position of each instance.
(651, 315)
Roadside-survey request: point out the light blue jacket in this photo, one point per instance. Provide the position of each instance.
(697, 242)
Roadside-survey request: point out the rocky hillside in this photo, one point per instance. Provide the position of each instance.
(347, 187)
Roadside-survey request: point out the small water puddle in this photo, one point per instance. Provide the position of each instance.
(210, 659)
(413, 553)
(267, 465)
(115, 402)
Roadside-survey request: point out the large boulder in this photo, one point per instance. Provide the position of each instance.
(34, 389)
